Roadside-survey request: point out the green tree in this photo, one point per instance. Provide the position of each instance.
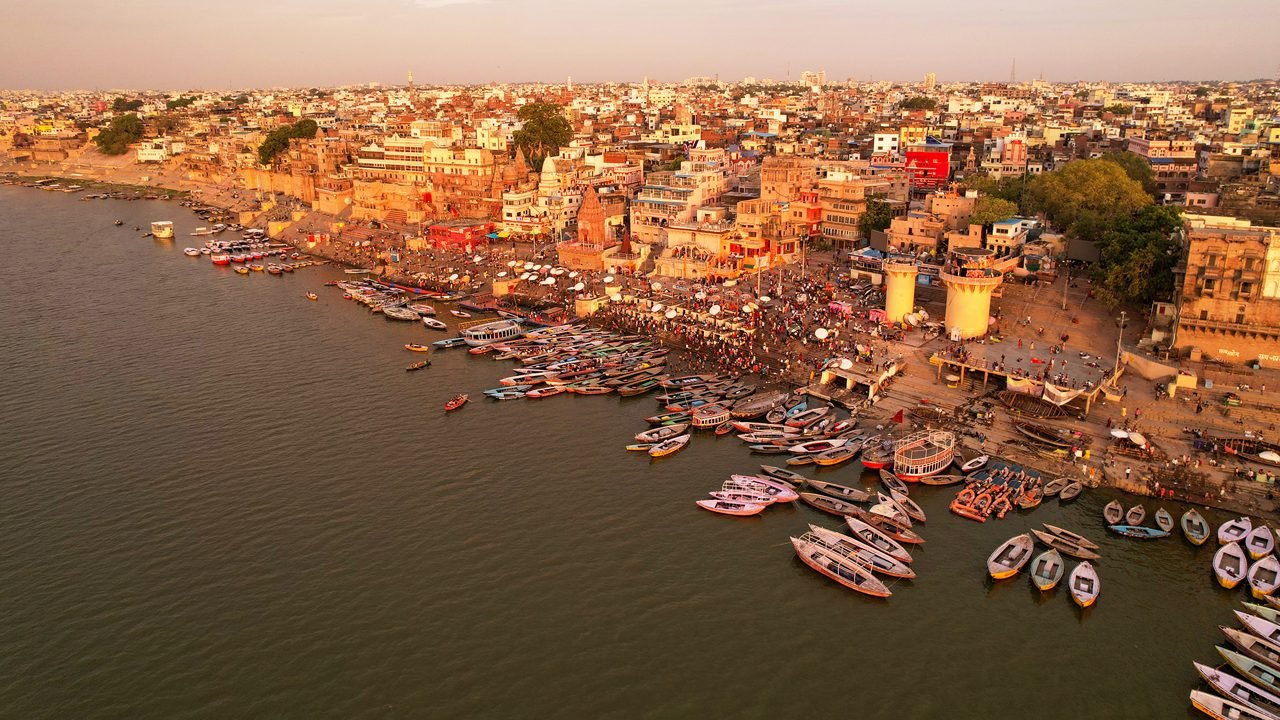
(277, 141)
(1201, 91)
(877, 217)
(1136, 167)
(1084, 188)
(918, 103)
(1118, 109)
(1137, 255)
(166, 124)
(544, 132)
(1009, 187)
(179, 103)
(122, 105)
(992, 209)
(123, 131)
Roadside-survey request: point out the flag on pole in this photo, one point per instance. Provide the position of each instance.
(898, 418)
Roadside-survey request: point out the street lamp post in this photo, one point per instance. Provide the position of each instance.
(1119, 340)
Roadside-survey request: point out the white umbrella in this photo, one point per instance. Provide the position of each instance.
(512, 263)
(549, 281)
(821, 333)
(524, 276)
(1119, 433)
(715, 310)
(579, 287)
(573, 274)
(765, 298)
(657, 307)
(656, 286)
(502, 274)
(846, 364)
(556, 271)
(671, 315)
(700, 295)
(1137, 439)
(730, 283)
(453, 277)
(537, 268)
(479, 258)
(608, 278)
(1269, 456)
(616, 297)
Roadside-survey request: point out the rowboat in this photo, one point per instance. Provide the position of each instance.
(1009, 558)
(1273, 601)
(783, 474)
(831, 562)
(875, 560)
(1055, 437)
(191, 252)
(886, 507)
(752, 427)
(828, 504)
(1055, 486)
(875, 538)
(1164, 520)
(662, 432)
(1254, 646)
(460, 313)
(1230, 565)
(1194, 527)
(1254, 670)
(1071, 537)
(434, 324)
(913, 510)
(418, 365)
(1265, 612)
(242, 270)
(1234, 530)
(767, 449)
(1136, 515)
(1240, 691)
(1140, 532)
(1113, 512)
(1047, 569)
(888, 526)
(1071, 491)
(312, 296)
(800, 460)
(843, 492)
(975, 464)
(456, 402)
(450, 342)
(1064, 546)
(669, 446)
(815, 446)
(1260, 542)
(776, 489)
(808, 417)
(1029, 405)
(640, 447)
(414, 347)
(835, 456)
(1223, 709)
(545, 391)
(1084, 584)
(1260, 627)
(733, 492)
(942, 479)
(893, 482)
(729, 507)
(1264, 577)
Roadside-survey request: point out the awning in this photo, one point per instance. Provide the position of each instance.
(492, 236)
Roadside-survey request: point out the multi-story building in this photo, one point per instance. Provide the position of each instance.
(916, 232)
(668, 197)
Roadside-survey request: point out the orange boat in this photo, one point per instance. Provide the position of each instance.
(966, 511)
(456, 402)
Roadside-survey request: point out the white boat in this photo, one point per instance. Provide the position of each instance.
(776, 489)
(1223, 709)
(460, 313)
(876, 538)
(1264, 577)
(975, 464)
(1260, 542)
(1234, 530)
(201, 232)
(191, 252)
(1084, 584)
(423, 309)
(1230, 565)
(162, 229)
(492, 332)
(357, 271)
(875, 560)
(434, 324)
(662, 432)
(1260, 627)
(1261, 701)
(399, 313)
(833, 562)
(1010, 556)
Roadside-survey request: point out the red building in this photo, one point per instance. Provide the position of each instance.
(929, 164)
(460, 234)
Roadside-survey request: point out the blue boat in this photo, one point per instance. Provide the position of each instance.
(1140, 532)
(449, 342)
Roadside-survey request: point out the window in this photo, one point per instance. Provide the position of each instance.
(1210, 285)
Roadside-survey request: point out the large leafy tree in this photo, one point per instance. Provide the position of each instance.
(1097, 189)
(544, 132)
(277, 141)
(992, 209)
(1009, 187)
(918, 103)
(877, 217)
(122, 132)
(1136, 167)
(1138, 254)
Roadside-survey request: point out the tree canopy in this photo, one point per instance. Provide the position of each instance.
(877, 217)
(992, 209)
(1093, 190)
(1136, 167)
(1009, 187)
(1118, 109)
(918, 103)
(277, 140)
(124, 105)
(178, 103)
(1138, 254)
(544, 132)
(123, 131)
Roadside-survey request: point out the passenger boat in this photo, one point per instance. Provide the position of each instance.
(942, 479)
(975, 464)
(1194, 527)
(312, 296)
(1065, 546)
(1164, 520)
(843, 492)
(1084, 584)
(1071, 491)
(1264, 577)
(877, 539)
(1136, 515)
(220, 259)
(828, 504)
(1055, 486)
(892, 482)
(662, 432)
(449, 342)
(1255, 670)
(886, 507)
(1223, 709)
(836, 565)
(191, 252)
(734, 492)
(1230, 565)
(758, 404)
(456, 402)
(1113, 512)
(1010, 556)
(1071, 537)
(669, 446)
(1253, 646)
(913, 509)
(1047, 570)
(776, 489)
(1138, 532)
(783, 474)
(162, 229)
(491, 332)
(418, 365)
(921, 454)
(1234, 530)
(874, 560)
(1260, 542)
(729, 507)
(875, 455)
(1260, 700)
(709, 416)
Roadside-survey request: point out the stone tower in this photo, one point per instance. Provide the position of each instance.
(899, 289)
(971, 278)
(591, 220)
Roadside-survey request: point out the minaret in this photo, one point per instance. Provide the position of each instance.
(411, 98)
(899, 289)
(971, 278)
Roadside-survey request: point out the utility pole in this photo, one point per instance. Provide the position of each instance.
(1066, 285)
(1119, 340)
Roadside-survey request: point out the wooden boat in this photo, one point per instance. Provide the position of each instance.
(1264, 577)
(418, 365)
(758, 404)
(888, 526)
(666, 418)
(1113, 512)
(1262, 702)
(589, 389)
(1071, 491)
(1260, 627)
(975, 464)
(843, 492)
(669, 446)
(913, 509)
(800, 460)
(1273, 601)
(1084, 584)
(1253, 670)
(1136, 515)
(641, 447)
(415, 347)
(877, 539)
(942, 479)
(1194, 527)
(808, 417)
(1052, 436)
(767, 449)
(1064, 546)
(1138, 532)
(662, 432)
(729, 507)
(723, 429)
(1230, 565)
(1164, 520)
(886, 507)
(456, 402)
(1266, 612)
(1047, 570)
(1254, 646)
(1030, 499)
(875, 560)
(1071, 537)
(816, 446)
(1223, 709)
(1029, 405)
(545, 391)
(435, 324)
(460, 313)
(835, 456)
(1009, 558)
(776, 489)
(828, 504)
(733, 492)
(893, 482)
(1234, 530)
(838, 566)
(1260, 542)
(1055, 486)
(783, 474)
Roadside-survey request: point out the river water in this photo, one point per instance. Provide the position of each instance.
(222, 500)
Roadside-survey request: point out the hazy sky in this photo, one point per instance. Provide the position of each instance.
(177, 44)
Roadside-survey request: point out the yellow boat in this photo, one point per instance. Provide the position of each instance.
(312, 296)
(1009, 558)
(242, 270)
(414, 347)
